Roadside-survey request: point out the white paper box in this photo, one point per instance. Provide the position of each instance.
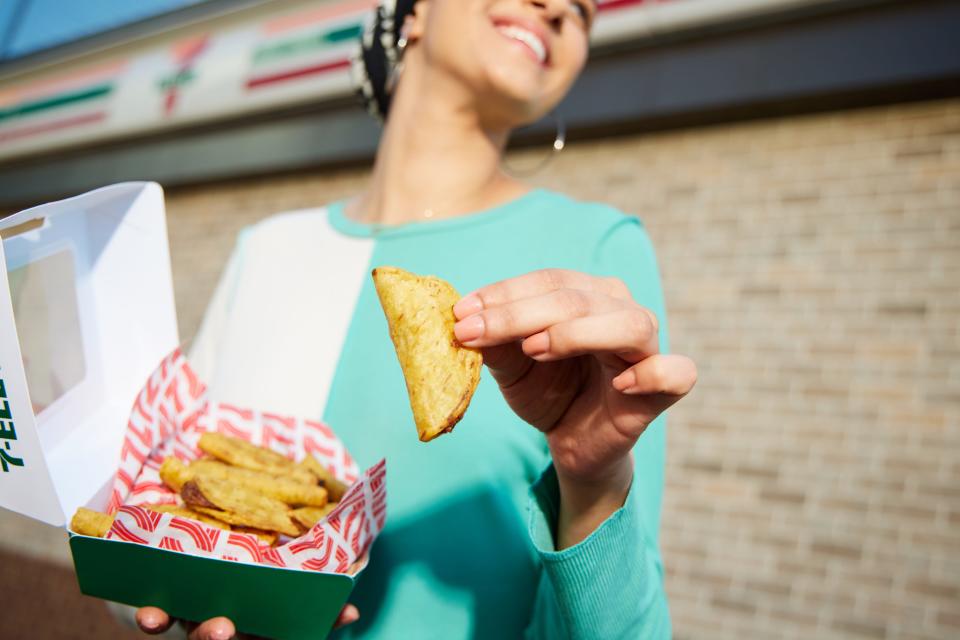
(86, 315)
(87, 291)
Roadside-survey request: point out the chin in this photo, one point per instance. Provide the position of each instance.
(516, 97)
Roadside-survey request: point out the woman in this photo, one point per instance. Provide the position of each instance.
(539, 515)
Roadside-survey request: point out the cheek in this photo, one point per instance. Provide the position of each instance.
(456, 45)
(567, 69)
(576, 51)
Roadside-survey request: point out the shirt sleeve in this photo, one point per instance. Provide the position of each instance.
(610, 585)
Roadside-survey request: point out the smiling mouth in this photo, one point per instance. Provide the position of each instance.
(533, 43)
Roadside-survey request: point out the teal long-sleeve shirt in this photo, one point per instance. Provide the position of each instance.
(468, 548)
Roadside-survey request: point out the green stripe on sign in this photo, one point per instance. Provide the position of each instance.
(61, 100)
(309, 43)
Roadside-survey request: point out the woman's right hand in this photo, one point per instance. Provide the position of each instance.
(152, 621)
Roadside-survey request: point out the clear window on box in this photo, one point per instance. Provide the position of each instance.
(48, 325)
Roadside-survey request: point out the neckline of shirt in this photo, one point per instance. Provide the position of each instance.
(341, 223)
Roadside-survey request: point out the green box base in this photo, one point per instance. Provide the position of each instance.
(267, 601)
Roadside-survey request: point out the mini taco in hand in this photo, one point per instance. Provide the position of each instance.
(441, 374)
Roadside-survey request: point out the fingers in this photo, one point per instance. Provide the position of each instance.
(669, 375)
(348, 615)
(214, 629)
(629, 333)
(152, 620)
(521, 318)
(537, 283)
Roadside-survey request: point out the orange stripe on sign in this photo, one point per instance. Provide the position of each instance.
(321, 14)
(186, 50)
(61, 83)
(326, 67)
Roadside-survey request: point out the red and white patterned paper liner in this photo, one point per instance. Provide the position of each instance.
(169, 416)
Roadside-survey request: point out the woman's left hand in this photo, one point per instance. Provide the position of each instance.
(576, 357)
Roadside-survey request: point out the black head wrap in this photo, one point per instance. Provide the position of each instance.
(378, 56)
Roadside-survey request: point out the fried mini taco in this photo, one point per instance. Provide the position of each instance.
(440, 373)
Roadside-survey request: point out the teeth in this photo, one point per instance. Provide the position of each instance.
(527, 38)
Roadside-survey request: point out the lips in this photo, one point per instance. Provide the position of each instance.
(526, 33)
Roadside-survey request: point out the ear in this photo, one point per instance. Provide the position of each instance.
(415, 24)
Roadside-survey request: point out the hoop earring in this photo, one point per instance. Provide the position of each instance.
(397, 69)
(559, 142)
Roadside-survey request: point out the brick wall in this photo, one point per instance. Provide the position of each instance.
(812, 268)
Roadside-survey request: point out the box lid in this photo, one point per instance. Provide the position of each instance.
(87, 314)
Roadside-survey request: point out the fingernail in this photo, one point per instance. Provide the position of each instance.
(624, 381)
(221, 634)
(469, 329)
(537, 345)
(150, 621)
(468, 306)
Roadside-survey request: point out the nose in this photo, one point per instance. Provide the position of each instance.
(552, 11)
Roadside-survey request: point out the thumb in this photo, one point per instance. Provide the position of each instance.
(152, 620)
(348, 615)
(507, 363)
(214, 629)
